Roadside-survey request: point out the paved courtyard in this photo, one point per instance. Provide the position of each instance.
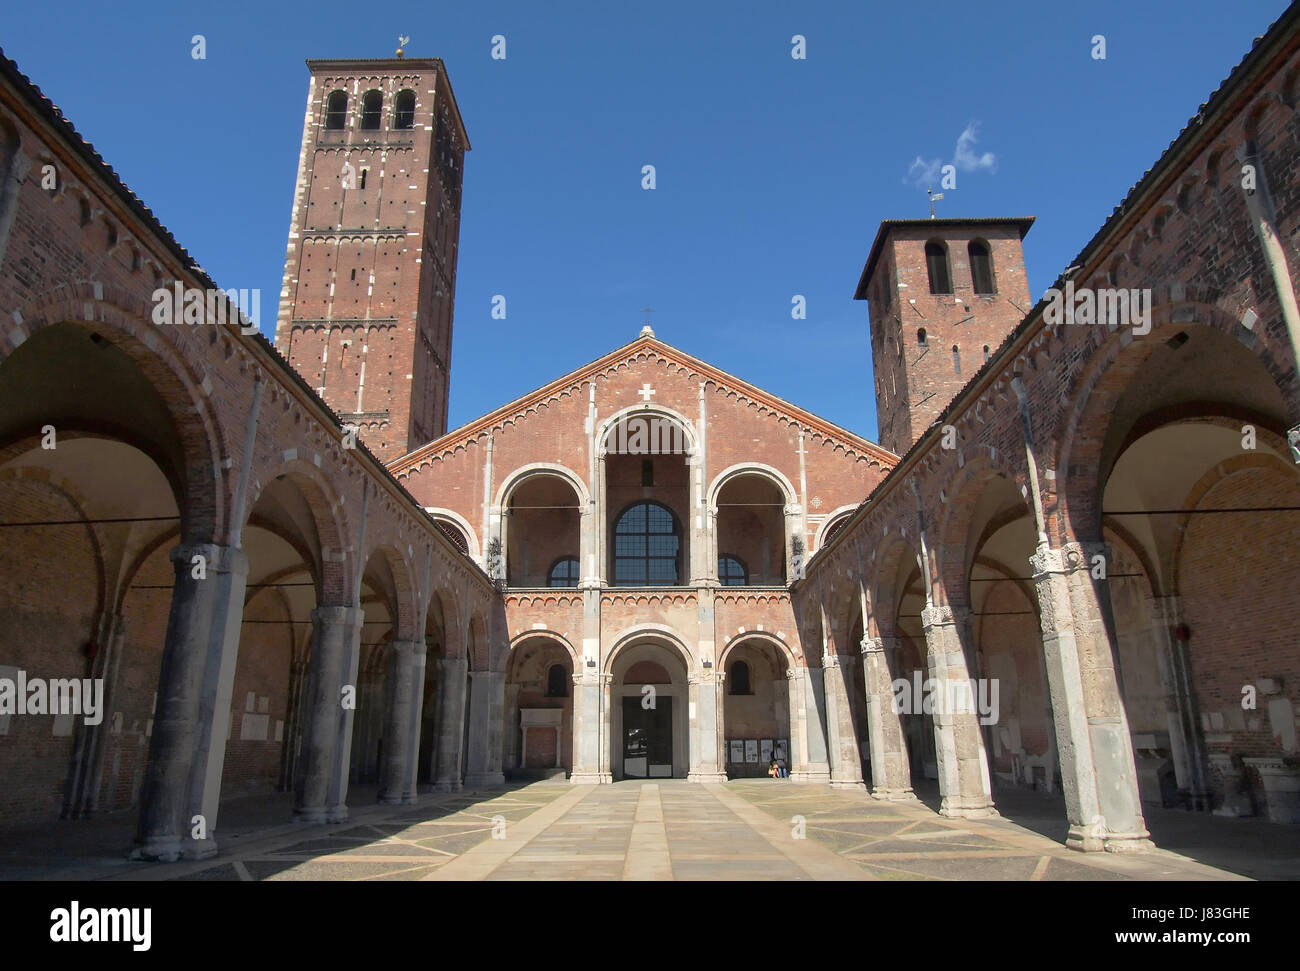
(674, 830)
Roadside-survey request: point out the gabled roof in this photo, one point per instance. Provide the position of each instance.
(1020, 222)
(646, 342)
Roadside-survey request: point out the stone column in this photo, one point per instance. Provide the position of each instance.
(512, 756)
(701, 571)
(86, 771)
(705, 747)
(324, 758)
(963, 765)
(451, 718)
(604, 752)
(794, 564)
(816, 767)
(411, 780)
(586, 729)
(1182, 714)
(1098, 772)
(599, 527)
(398, 753)
(798, 732)
(192, 719)
(485, 710)
(891, 776)
(845, 761)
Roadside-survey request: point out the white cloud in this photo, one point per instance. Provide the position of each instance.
(924, 173)
(965, 158)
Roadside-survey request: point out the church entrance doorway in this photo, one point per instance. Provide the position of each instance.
(649, 701)
(648, 737)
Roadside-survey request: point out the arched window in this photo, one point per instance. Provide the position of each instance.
(555, 682)
(372, 107)
(956, 360)
(404, 110)
(936, 263)
(986, 354)
(455, 535)
(647, 545)
(920, 336)
(564, 573)
(981, 267)
(336, 110)
(739, 679)
(835, 527)
(732, 572)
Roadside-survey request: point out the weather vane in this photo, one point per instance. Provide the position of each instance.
(933, 199)
(402, 42)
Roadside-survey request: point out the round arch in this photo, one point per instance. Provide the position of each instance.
(781, 647)
(328, 512)
(648, 632)
(834, 517)
(1111, 369)
(547, 634)
(751, 468)
(525, 472)
(955, 553)
(399, 570)
(647, 409)
(157, 357)
(450, 516)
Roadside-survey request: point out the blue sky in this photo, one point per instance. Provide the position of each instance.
(772, 173)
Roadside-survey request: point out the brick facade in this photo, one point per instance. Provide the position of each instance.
(1110, 534)
(370, 274)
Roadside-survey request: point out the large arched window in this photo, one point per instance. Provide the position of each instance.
(936, 263)
(564, 572)
(336, 110)
(404, 110)
(739, 679)
(647, 546)
(732, 572)
(981, 267)
(372, 107)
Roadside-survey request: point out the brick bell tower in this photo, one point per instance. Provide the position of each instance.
(370, 272)
(942, 294)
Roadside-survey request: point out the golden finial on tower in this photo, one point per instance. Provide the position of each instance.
(402, 42)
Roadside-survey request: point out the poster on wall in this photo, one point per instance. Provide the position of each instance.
(737, 753)
(765, 750)
(782, 750)
(751, 750)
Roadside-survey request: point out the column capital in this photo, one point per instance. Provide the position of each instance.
(935, 615)
(337, 615)
(830, 661)
(1067, 559)
(216, 558)
(872, 645)
(794, 672)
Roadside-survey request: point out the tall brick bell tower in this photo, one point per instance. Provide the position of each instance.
(370, 272)
(942, 294)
